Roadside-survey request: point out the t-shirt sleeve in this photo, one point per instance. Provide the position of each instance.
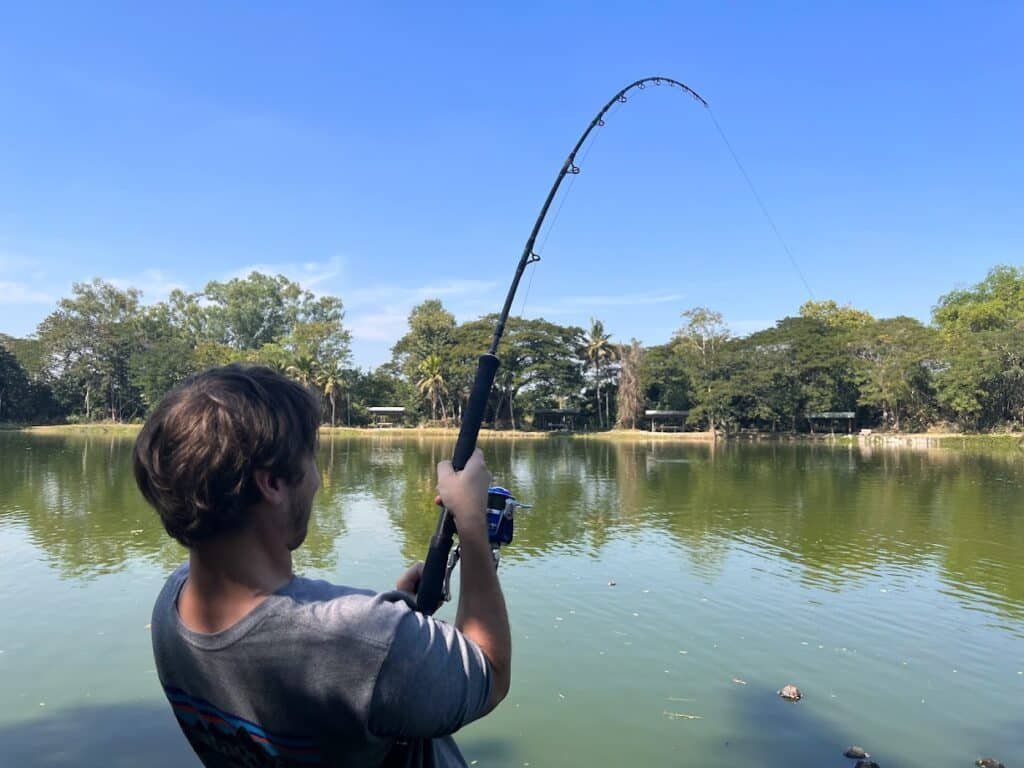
(433, 681)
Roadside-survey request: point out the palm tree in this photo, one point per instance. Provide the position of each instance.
(302, 369)
(432, 384)
(330, 381)
(598, 350)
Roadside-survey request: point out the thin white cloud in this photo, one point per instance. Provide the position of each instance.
(15, 289)
(379, 326)
(14, 292)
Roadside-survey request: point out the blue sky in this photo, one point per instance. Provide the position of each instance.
(398, 152)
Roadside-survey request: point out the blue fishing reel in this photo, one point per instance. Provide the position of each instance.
(501, 507)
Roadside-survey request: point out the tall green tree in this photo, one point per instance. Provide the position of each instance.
(892, 363)
(88, 343)
(164, 357)
(701, 341)
(665, 378)
(598, 351)
(332, 382)
(431, 332)
(981, 381)
(432, 384)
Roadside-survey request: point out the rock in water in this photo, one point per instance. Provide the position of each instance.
(790, 693)
(988, 762)
(856, 753)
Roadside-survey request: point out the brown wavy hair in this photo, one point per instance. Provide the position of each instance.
(194, 459)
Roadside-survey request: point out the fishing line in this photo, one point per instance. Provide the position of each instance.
(760, 202)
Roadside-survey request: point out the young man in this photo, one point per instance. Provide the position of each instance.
(265, 668)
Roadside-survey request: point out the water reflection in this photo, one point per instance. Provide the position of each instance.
(828, 516)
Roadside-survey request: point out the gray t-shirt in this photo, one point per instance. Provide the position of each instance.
(320, 674)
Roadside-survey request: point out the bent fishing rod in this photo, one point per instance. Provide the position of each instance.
(433, 589)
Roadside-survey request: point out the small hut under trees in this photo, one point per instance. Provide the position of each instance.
(667, 421)
(557, 419)
(384, 416)
(832, 418)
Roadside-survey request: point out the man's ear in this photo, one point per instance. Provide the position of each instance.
(272, 488)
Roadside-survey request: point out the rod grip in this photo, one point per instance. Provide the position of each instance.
(486, 367)
(430, 594)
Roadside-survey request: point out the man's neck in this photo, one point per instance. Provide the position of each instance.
(228, 577)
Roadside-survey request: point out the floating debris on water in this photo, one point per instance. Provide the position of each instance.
(148, 626)
(681, 716)
(856, 753)
(738, 681)
(677, 698)
(559, 618)
(635, 613)
(42, 703)
(988, 762)
(683, 653)
(611, 583)
(561, 696)
(790, 693)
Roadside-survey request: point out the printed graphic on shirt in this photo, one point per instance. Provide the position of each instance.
(223, 740)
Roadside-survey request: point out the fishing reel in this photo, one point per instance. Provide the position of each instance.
(501, 507)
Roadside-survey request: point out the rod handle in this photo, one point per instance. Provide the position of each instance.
(431, 592)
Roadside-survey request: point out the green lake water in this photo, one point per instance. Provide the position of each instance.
(889, 586)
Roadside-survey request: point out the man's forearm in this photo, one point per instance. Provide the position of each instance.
(482, 615)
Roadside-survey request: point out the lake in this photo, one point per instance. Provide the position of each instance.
(660, 594)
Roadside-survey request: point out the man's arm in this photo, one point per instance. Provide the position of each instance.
(482, 615)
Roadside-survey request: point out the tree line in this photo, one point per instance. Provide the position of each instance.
(104, 355)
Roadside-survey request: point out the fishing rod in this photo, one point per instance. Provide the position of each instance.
(433, 589)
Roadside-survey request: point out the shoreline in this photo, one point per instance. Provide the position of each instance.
(911, 440)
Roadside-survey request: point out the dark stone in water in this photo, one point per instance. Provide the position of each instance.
(988, 762)
(856, 753)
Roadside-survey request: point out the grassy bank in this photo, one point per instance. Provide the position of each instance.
(98, 428)
(625, 435)
(948, 440)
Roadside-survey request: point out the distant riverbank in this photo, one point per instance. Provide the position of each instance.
(114, 429)
(949, 440)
